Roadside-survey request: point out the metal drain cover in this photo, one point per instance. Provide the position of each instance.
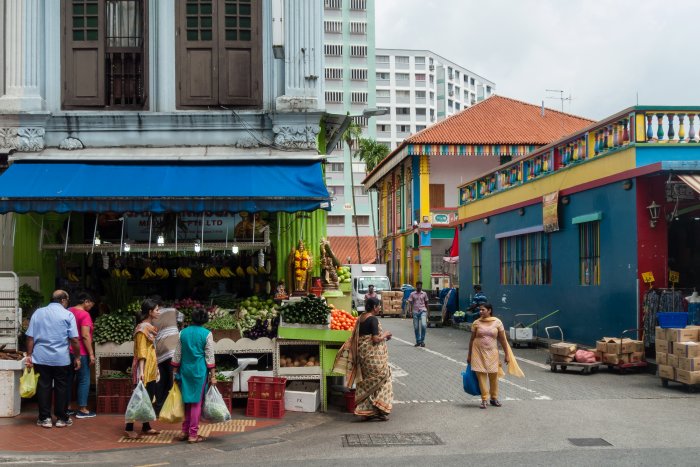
(588, 442)
(390, 439)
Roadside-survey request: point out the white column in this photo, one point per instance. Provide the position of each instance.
(24, 35)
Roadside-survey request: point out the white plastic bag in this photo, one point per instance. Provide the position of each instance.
(215, 409)
(140, 408)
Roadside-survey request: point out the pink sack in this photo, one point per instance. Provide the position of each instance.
(584, 356)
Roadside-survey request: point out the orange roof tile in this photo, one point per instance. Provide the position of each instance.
(501, 120)
(346, 247)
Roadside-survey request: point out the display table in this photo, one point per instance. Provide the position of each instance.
(10, 401)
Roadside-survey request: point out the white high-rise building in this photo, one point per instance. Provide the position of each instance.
(419, 88)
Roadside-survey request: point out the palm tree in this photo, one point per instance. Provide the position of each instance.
(352, 134)
(372, 153)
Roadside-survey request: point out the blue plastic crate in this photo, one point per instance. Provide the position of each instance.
(673, 319)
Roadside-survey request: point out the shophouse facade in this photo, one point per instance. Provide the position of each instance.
(577, 226)
(202, 108)
(416, 183)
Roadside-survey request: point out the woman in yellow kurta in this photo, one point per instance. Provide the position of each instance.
(145, 363)
(487, 332)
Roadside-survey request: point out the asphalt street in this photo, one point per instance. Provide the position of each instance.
(632, 419)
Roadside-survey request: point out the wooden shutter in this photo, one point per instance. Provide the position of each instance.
(83, 53)
(437, 195)
(197, 63)
(240, 61)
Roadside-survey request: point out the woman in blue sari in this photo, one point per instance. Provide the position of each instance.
(194, 367)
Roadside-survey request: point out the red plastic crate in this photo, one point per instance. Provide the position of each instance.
(115, 387)
(225, 388)
(229, 404)
(266, 388)
(123, 402)
(108, 404)
(264, 408)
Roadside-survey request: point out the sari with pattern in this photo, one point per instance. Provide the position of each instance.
(373, 389)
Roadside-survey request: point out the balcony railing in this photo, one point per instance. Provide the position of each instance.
(635, 126)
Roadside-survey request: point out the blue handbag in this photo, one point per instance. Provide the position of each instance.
(469, 381)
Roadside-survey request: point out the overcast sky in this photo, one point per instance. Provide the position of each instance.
(603, 53)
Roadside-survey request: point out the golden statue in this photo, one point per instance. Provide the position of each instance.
(301, 262)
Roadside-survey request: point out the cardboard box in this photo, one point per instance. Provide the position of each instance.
(599, 356)
(638, 346)
(616, 359)
(672, 360)
(686, 349)
(687, 334)
(621, 346)
(689, 364)
(562, 358)
(636, 357)
(601, 346)
(688, 377)
(663, 346)
(302, 396)
(660, 334)
(667, 372)
(246, 374)
(562, 348)
(661, 358)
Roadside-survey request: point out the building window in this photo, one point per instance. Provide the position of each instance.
(358, 97)
(401, 60)
(403, 111)
(334, 73)
(420, 77)
(361, 220)
(525, 259)
(360, 191)
(335, 166)
(105, 54)
(333, 50)
(333, 4)
(420, 60)
(384, 93)
(382, 76)
(333, 26)
(589, 253)
(358, 50)
(358, 27)
(361, 121)
(420, 111)
(358, 4)
(337, 190)
(420, 94)
(336, 220)
(383, 60)
(383, 128)
(476, 263)
(358, 74)
(334, 96)
(402, 77)
(420, 128)
(403, 128)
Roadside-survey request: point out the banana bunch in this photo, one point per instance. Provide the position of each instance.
(211, 272)
(162, 273)
(72, 277)
(262, 270)
(226, 272)
(125, 274)
(149, 273)
(116, 273)
(185, 273)
(240, 272)
(251, 271)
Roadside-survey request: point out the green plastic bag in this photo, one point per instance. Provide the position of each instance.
(140, 408)
(27, 383)
(173, 410)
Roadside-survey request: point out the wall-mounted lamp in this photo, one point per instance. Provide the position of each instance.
(486, 220)
(565, 200)
(521, 211)
(96, 240)
(653, 213)
(197, 246)
(160, 240)
(627, 185)
(234, 249)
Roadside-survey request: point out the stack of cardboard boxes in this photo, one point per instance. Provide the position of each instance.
(391, 302)
(616, 351)
(562, 352)
(678, 354)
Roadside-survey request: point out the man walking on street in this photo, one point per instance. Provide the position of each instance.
(478, 299)
(419, 307)
(48, 335)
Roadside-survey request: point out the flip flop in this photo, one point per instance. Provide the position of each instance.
(182, 437)
(198, 439)
(132, 435)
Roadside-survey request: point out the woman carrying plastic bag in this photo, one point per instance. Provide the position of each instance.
(173, 410)
(27, 383)
(140, 408)
(215, 409)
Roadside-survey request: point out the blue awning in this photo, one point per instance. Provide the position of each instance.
(290, 186)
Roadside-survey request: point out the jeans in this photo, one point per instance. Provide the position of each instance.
(420, 324)
(52, 379)
(164, 385)
(83, 378)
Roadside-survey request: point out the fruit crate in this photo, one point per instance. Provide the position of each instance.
(115, 387)
(263, 408)
(109, 404)
(266, 387)
(225, 388)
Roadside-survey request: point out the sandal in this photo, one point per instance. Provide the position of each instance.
(132, 435)
(182, 437)
(483, 405)
(495, 403)
(151, 432)
(198, 439)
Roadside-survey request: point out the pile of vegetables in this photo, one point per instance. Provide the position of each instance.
(224, 321)
(341, 320)
(308, 310)
(343, 274)
(187, 305)
(115, 375)
(256, 316)
(263, 328)
(114, 327)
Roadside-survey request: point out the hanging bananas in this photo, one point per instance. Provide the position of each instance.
(72, 277)
(184, 272)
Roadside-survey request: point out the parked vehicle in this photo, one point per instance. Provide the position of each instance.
(364, 275)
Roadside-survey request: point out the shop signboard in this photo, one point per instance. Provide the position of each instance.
(192, 226)
(550, 214)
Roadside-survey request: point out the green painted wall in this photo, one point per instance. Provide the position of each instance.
(309, 226)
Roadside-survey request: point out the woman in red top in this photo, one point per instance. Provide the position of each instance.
(87, 354)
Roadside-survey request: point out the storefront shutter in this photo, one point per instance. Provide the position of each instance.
(83, 53)
(437, 195)
(197, 63)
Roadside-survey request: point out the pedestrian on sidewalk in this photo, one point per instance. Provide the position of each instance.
(165, 343)
(83, 320)
(487, 332)
(478, 299)
(193, 359)
(374, 393)
(50, 331)
(145, 364)
(418, 301)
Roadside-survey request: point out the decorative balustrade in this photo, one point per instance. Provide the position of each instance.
(604, 137)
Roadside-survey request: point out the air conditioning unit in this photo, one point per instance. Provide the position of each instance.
(452, 93)
(431, 68)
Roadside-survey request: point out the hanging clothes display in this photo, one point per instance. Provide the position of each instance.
(655, 301)
(693, 308)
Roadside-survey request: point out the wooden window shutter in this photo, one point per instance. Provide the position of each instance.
(437, 195)
(197, 52)
(83, 53)
(240, 61)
